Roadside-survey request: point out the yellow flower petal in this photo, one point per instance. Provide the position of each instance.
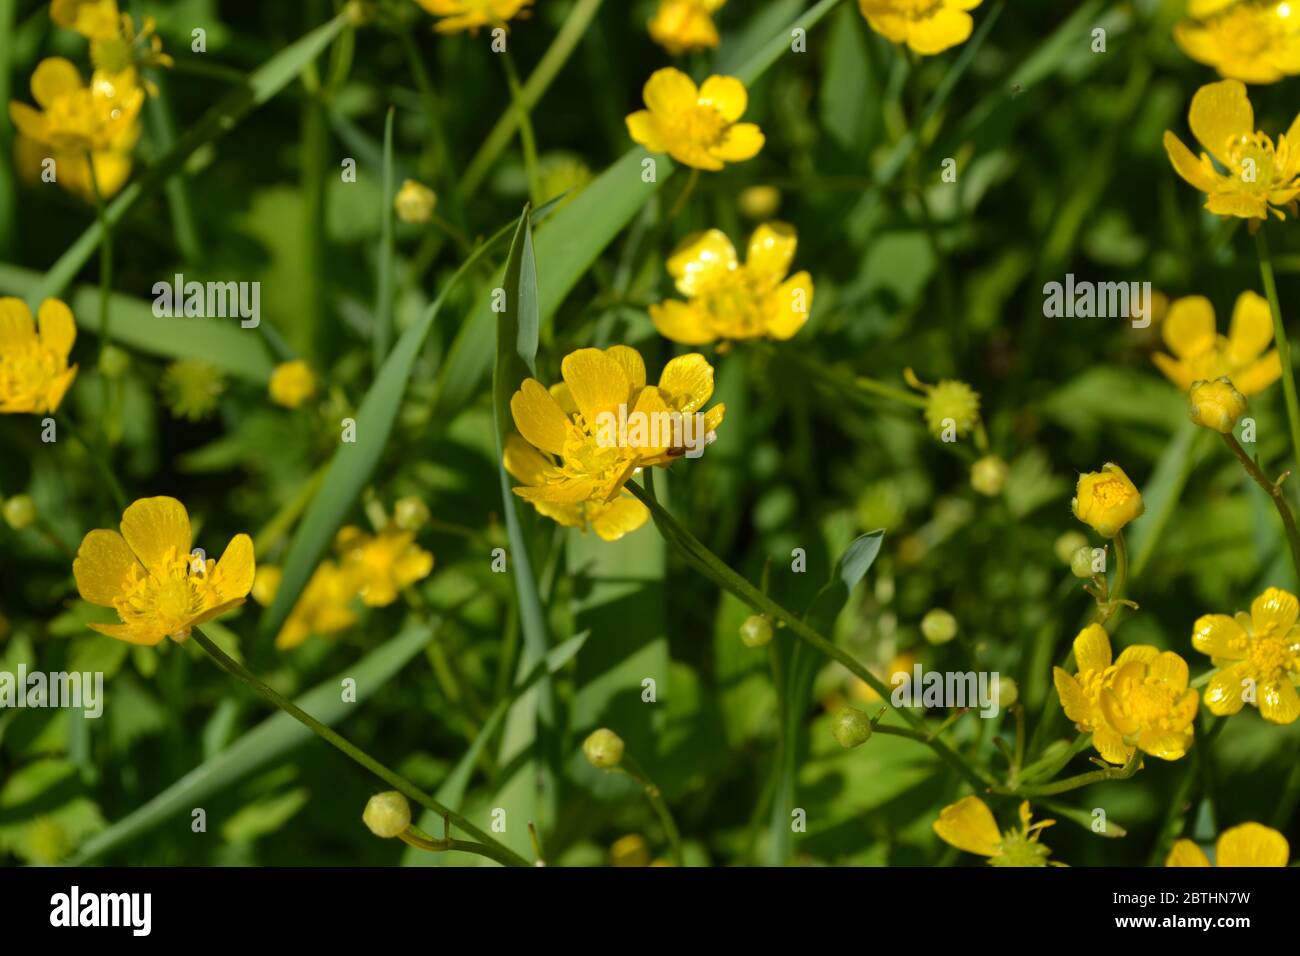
(125, 632)
(1092, 649)
(58, 330)
(236, 569)
(727, 95)
(1188, 328)
(771, 250)
(644, 129)
(103, 563)
(54, 77)
(1186, 853)
(621, 516)
(1111, 745)
(1219, 635)
(1251, 329)
(598, 383)
(1221, 115)
(524, 462)
(1177, 372)
(1278, 701)
(16, 327)
(632, 363)
(1274, 610)
(669, 91)
(742, 141)
(790, 306)
(944, 30)
(1258, 375)
(968, 825)
(1189, 166)
(1113, 711)
(1223, 693)
(1074, 701)
(538, 416)
(687, 382)
(158, 530)
(701, 258)
(1169, 668)
(1251, 844)
(682, 323)
(1164, 744)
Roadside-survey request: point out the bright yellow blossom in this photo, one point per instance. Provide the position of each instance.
(292, 383)
(1081, 693)
(969, 825)
(680, 26)
(1260, 177)
(34, 370)
(927, 26)
(460, 15)
(323, 608)
(1258, 657)
(382, 564)
(149, 576)
(1255, 42)
(1250, 844)
(1217, 405)
(1106, 500)
(1148, 703)
(696, 126)
(728, 300)
(91, 18)
(591, 433)
(1202, 355)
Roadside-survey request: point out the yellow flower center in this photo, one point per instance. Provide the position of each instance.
(919, 9)
(169, 603)
(734, 302)
(701, 126)
(1110, 492)
(1019, 849)
(584, 455)
(1270, 658)
(26, 376)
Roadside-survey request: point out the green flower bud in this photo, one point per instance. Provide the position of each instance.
(387, 814)
(1007, 692)
(938, 626)
(603, 749)
(1067, 544)
(19, 512)
(989, 475)
(410, 513)
(113, 361)
(756, 631)
(1081, 563)
(851, 727)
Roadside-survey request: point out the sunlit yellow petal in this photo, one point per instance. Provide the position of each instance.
(1251, 329)
(1092, 649)
(158, 531)
(1188, 328)
(598, 383)
(771, 250)
(236, 568)
(621, 516)
(1223, 694)
(682, 323)
(1251, 844)
(727, 95)
(1186, 853)
(700, 259)
(1220, 116)
(1219, 635)
(102, 566)
(54, 77)
(1275, 610)
(1278, 701)
(968, 825)
(538, 416)
(669, 91)
(58, 330)
(742, 141)
(687, 382)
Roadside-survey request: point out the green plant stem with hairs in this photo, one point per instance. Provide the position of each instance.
(1282, 343)
(486, 846)
(1274, 491)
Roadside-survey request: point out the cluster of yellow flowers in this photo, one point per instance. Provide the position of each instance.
(34, 369)
(83, 133)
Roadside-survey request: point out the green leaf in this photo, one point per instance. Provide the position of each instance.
(219, 342)
(259, 86)
(384, 285)
(268, 741)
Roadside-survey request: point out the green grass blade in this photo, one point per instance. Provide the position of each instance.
(384, 285)
(260, 85)
(266, 742)
(219, 342)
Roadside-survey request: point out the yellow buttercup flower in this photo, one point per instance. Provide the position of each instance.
(926, 26)
(34, 370)
(323, 608)
(71, 168)
(1250, 844)
(1201, 355)
(680, 26)
(101, 116)
(460, 15)
(1255, 42)
(292, 383)
(382, 564)
(149, 576)
(1107, 500)
(1217, 405)
(1258, 657)
(729, 300)
(1080, 693)
(584, 438)
(128, 50)
(1260, 177)
(90, 18)
(696, 126)
(1148, 703)
(969, 825)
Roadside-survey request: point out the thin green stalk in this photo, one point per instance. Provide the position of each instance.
(716, 569)
(499, 852)
(384, 283)
(656, 798)
(422, 841)
(1074, 783)
(856, 386)
(527, 138)
(105, 268)
(445, 163)
(102, 466)
(1274, 490)
(1283, 344)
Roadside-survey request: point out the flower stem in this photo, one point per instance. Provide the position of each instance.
(1283, 344)
(489, 847)
(1074, 783)
(1274, 490)
(656, 798)
(715, 568)
(527, 139)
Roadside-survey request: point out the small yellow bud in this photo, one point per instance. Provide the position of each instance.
(1107, 500)
(1216, 404)
(851, 727)
(938, 626)
(631, 850)
(756, 631)
(410, 513)
(989, 475)
(387, 814)
(415, 202)
(603, 749)
(759, 202)
(1068, 543)
(1008, 692)
(1081, 564)
(20, 512)
(292, 383)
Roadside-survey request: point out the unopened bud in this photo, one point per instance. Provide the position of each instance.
(851, 727)
(387, 814)
(756, 631)
(603, 749)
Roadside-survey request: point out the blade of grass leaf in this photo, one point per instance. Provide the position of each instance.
(384, 283)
